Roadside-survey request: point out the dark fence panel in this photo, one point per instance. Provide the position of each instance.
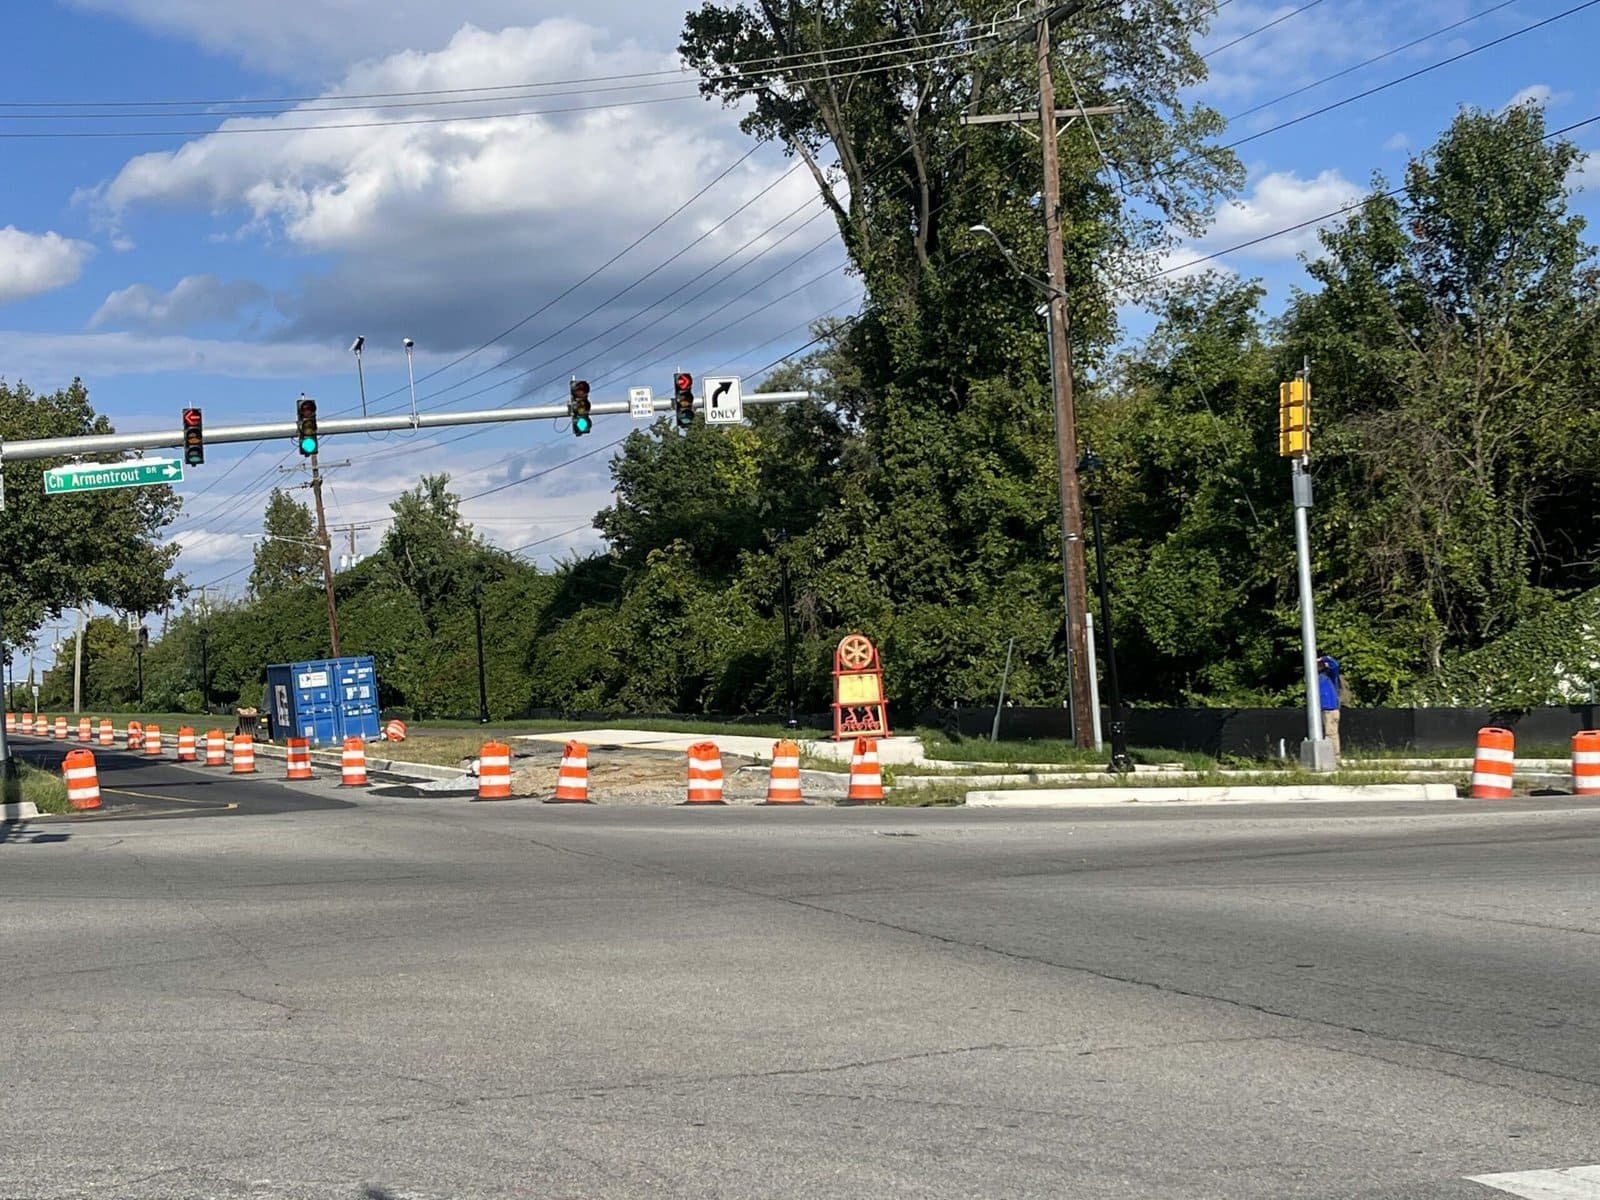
(1260, 732)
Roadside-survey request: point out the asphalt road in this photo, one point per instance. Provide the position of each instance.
(425, 998)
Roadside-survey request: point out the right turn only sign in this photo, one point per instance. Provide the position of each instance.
(724, 401)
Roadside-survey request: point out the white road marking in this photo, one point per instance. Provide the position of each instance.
(1570, 1183)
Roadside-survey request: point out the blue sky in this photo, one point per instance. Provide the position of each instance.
(202, 255)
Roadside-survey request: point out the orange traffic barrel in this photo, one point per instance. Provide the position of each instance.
(866, 777)
(152, 740)
(216, 748)
(783, 782)
(85, 729)
(61, 729)
(1586, 763)
(395, 730)
(705, 774)
(1493, 763)
(135, 735)
(11, 722)
(572, 776)
(244, 754)
(353, 763)
(494, 771)
(186, 750)
(83, 780)
(27, 722)
(108, 734)
(297, 756)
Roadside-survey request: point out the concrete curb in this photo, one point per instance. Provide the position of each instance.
(21, 810)
(1100, 797)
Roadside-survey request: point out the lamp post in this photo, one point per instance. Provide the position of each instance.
(205, 669)
(788, 636)
(477, 621)
(1089, 468)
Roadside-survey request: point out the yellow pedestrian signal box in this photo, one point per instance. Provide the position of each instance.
(1294, 419)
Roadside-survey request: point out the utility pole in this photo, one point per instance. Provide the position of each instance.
(1075, 583)
(325, 544)
(77, 668)
(327, 556)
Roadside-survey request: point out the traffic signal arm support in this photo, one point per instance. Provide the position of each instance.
(109, 443)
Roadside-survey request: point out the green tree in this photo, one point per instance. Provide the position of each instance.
(1455, 391)
(288, 556)
(68, 550)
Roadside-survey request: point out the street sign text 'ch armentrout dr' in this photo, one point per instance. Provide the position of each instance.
(92, 477)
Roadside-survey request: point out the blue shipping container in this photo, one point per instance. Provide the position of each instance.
(324, 701)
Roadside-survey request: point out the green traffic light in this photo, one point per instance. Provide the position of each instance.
(581, 425)
(308, 445)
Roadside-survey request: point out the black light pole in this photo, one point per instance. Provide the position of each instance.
(483, 687)
(788, 636)
(138, 658)
(1089, 468)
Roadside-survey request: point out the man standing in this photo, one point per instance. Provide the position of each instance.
(1328, 680)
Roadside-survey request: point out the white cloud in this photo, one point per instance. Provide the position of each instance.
(193, 300)
(34, 263)
(1585, 173)
(60, 357)
(1397, 141)
(1281, 200)
(452, 233)
(1540, 94)
(318, 38)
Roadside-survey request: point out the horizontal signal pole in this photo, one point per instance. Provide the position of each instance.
(111, 443)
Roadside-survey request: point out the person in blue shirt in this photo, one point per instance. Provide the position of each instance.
(1328, 680)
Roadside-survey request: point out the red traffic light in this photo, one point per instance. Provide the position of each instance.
(307, 408)
(191, 418)
(683, 382)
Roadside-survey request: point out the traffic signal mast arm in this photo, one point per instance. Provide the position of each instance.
(288, 431)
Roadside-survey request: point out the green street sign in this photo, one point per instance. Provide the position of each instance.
(92, 477)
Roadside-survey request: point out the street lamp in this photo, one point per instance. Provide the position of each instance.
(477, 621)
(1090, 467)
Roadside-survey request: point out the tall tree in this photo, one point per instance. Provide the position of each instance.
(287, 556)
(1454, 371)
(60, 551)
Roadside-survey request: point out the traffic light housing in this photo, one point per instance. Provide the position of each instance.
(144, 637)
(1294, 419)
(306, 425)
(194, 440)
(578, 408)
(683, 398)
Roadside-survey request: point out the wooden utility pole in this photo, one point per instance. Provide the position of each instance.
(327, 556)
(1074, 578)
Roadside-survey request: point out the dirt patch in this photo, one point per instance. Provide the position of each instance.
(622, 775)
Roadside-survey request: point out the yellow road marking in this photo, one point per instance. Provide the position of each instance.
(165, 799)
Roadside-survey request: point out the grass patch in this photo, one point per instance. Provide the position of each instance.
(440, 750)
(1552, 750)
(652, 724)
(46, 789)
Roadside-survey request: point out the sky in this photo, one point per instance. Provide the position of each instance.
(205, 203)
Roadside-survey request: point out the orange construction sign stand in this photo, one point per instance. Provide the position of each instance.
(859, 707)
(572, 776)
(705, 774)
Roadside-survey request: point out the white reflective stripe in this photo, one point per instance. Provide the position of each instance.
(1573, 1183)
(1586, 756)
(495, 760)
(1495, 754)
(573, 763)
(787, 761)
(81, 773)
(82, 793)
(863, 779)
(1501, 782)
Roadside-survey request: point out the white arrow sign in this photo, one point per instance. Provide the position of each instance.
(724, 401)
